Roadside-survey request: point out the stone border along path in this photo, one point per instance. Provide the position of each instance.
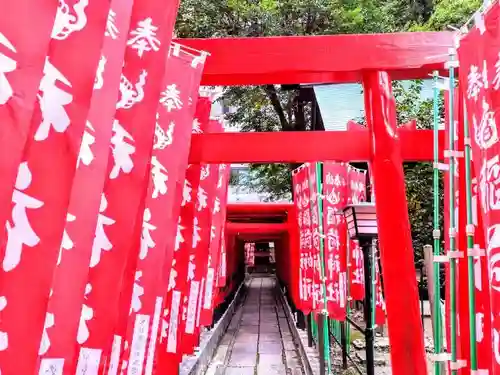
(258, 340)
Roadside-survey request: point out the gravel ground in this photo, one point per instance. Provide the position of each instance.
(382, 350)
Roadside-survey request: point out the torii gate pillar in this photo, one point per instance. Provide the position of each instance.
(396, 249)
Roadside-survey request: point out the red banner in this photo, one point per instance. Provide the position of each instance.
(114, 255)
(250, 254)
(356, 271)
(335, 188)
(187, 235)
(380, 310)
(222, 268)
(205, 200)
(216, 244)
(357, 186)
(65, 303)
(356, 194)
(39, 208)
(24, 43)
(482, 287)
(317, 285)
(479, 76)
(170, 150)
(302, 204)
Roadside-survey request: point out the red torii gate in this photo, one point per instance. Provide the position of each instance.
(342, 59)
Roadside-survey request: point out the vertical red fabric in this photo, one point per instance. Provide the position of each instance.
(301, 200)
(65, 303)
(396, 248)
(176, 129)
(35, 230)
(171, 143)
(446, 238)
(356, 194)
(250, 254)
(482, 286)
(461, 222)
(356, 186)
(379, 297)
(217, 227)
(335, 188)
(203, 262)
(317, 285)
(293, 244)
(227, 243)
(479, 76)
(356, 271)
(112, 264)
(24, 42)
(200, 250)
(187, 233)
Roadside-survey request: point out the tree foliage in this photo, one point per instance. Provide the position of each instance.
(271, 108)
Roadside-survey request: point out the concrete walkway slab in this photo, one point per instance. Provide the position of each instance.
(260, 342)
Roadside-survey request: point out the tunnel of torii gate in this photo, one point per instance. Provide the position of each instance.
(372, 60)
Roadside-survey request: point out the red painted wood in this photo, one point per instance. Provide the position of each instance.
(258, 228)
(298, 147)
(396, 248)
(258, 208)
(258, 61)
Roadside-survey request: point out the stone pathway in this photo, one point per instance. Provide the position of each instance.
(258, 340)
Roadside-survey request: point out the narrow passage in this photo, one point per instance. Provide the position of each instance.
(258, 340)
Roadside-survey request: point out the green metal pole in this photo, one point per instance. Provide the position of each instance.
(452, 260)
(373, 302)
(438, 329)
(470, 247)
(348, 294)
(326, 335)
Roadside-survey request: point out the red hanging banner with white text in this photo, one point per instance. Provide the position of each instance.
(480, 79)
(43, 185)
(65, 303)
(24, 43)
(187, 234)
(335, 180)
(169, 159)
(112, 264)
(216, 244)
(300, 181)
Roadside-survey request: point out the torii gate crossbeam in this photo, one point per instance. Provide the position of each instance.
(298, 147)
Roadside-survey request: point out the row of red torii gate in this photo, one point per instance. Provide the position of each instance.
(114, 177)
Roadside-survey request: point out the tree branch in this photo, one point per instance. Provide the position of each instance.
(275, 102)
(300, 118)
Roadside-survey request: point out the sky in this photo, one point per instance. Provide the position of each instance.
(340, 103)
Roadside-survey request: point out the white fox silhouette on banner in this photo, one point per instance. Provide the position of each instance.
(101, 241)
(111, 29)
(163, 139)
(147, 241)
(86, 315)
(138, 291)
(45, 343)
(86, 156)
(7, 65)
(159, 175)
(66, 23)
(130, 95)
(20, 233)
(4, 337)
(67, 242)
(52, 102)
